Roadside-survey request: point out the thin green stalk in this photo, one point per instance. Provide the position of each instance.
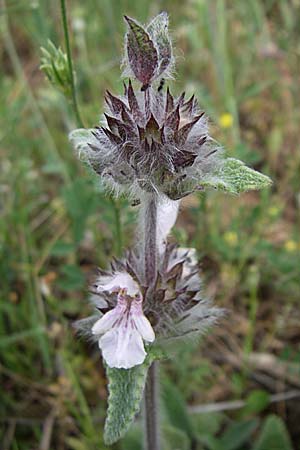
(10, 47)
(70, 64)
(84, 412)
(225, 67)
(36, 303)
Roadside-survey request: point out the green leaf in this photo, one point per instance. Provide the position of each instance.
(274, 435)
(210, 442)
(125, 387)
(257, 401)
(235, 177)
(175, 439)
(176, 409)
(172, 438)
(134, 438)
(238, 434)
(207, 424)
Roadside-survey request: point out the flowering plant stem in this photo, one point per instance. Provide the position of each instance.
(151, 401)
(70, 64)
(151, 409)
(150, 239)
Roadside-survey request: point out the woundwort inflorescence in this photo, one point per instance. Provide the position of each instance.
(156, 149)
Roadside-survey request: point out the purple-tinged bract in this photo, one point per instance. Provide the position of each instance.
(148, 50)
(151, 142)
(174, 305)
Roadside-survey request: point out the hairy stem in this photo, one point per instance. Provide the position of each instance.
(147, 103)
(118, 226)
(150, 271)
(70, 64)
(150, 240)
(151, 397)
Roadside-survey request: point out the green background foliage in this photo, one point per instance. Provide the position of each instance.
(56, 226)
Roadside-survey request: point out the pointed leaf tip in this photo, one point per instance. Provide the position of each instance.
(184, 131)
(141, 52)
(235, 177)
(158, 31)
(274, 435)
(133, 103)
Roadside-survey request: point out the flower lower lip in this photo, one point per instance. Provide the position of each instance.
(123, 329)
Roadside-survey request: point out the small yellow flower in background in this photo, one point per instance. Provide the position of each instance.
(273, 211)
(231, 238)
(290, 245)
(226, 120)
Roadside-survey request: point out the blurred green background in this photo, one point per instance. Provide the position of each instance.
(242, 60)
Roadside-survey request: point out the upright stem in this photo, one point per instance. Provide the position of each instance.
(150, 239)
(151, 405)
(70, 64)
(118, 226)
(151, 397)
(147, 103)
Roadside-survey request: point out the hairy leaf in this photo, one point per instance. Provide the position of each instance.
(238, 434)
(126, 387)
(235, 177)
(175, 439)
(142, 54)
(176, 409)
(81, 139)
(158, 30)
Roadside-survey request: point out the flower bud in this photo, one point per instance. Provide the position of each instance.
(54, 64)
(148, 52)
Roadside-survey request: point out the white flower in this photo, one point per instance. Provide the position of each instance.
(117, 281)
(122, 330)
